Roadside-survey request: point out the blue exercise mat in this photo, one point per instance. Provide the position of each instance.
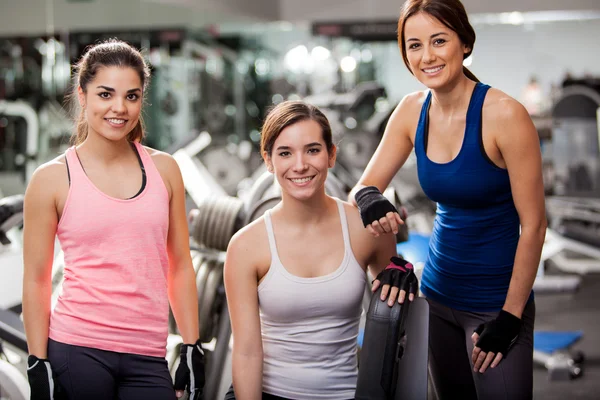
(549, 342)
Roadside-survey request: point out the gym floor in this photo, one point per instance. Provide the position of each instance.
(578, 311)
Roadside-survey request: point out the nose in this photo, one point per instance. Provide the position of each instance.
(118, 106)
(428, 54)
(299, 163)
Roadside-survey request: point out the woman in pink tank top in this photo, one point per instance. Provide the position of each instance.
(118, 210)
(295, 278)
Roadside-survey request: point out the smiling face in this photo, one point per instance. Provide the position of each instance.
(300, 159)
(112, 102)
(435, 53)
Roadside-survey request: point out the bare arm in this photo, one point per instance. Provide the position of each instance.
(40, 222)
(520, 149)
(241, 285)
(392, 152)
(183, 295)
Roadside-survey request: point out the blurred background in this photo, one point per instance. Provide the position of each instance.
(217, 67)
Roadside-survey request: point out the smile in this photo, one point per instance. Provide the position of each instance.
(302, 180)
(433, 70)
(116, 121)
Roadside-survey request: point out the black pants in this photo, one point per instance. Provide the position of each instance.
(450, 349)
(92, 374)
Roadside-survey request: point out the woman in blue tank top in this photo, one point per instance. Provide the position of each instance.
(478, 157)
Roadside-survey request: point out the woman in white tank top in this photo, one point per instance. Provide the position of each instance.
(295, 278)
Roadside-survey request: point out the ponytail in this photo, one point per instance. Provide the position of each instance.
(81, 129)
(469, 74)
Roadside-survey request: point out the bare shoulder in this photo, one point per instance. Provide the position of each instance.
(51, 175)
(164, 161)
(406, 114)
(249, 247)
(500, 108)
(358, 232)
(410, 103)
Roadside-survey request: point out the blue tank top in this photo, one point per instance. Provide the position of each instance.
(476, 228)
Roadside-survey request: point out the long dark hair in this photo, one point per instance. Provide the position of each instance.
(451, 13)
(110, 53)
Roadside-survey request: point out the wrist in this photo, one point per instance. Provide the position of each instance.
(515, 311)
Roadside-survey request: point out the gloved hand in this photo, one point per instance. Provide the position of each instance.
(41, 379)
(190, 373)
(400, 275)
(377, 211)
(494, 339)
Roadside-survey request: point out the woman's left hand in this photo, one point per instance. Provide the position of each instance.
(398, 279)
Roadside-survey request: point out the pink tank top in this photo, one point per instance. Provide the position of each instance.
(114, 294)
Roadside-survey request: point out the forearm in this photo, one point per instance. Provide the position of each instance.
(36, 316)
(183, 298)
(247, 375)
(527, 260)
(352, 193)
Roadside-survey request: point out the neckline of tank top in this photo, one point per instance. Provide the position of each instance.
(129, 200)
(321, 278)
(477, 86)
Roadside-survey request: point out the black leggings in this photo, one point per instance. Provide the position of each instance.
(450, 349)
(92, 374)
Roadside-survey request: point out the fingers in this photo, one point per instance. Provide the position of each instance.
(479, 359)
(375, 286)
(474, 338)
(393, 295)
(384, 292)
(402, 296)
(398, 219)
(179, 393)
(476, 351)
(387, 224)
(497, 360)
(487, 361)
(372, 230)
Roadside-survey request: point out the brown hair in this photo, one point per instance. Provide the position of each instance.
(450, 13)
(288, 113)
(110, 53)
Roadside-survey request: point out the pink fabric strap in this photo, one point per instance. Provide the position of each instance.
(400, 267)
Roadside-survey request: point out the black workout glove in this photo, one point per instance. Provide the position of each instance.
(498, 335)
(400, 273)
(372, 205)
(190, 373)
(41, 379)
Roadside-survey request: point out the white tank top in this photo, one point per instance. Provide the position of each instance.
(310, 326)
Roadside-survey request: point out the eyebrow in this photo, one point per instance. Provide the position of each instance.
(432, 36)
(109, 89)
(314, 144)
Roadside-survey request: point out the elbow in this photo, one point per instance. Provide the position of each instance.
(536, 229)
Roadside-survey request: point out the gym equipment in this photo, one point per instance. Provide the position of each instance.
(554, 351)
(394, 355)
(12, 333)
(24, 110)
(11, 257)
(575, 135)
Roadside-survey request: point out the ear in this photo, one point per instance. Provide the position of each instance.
(466, 49)
(268, 161)
(332, 156)
(81, 97)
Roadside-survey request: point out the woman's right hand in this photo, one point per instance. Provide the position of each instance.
(378, 214)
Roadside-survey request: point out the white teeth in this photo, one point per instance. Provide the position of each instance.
(432, 70)
(116, 121)
(301, 180)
